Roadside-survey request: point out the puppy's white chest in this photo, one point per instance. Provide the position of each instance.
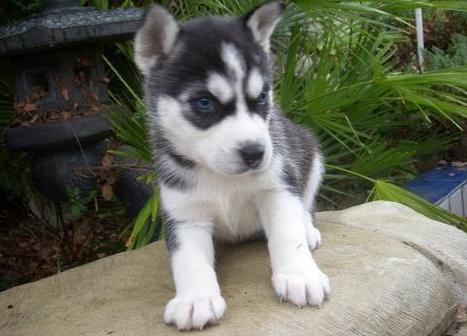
(236, 218)
(233, 208)
(229, 203)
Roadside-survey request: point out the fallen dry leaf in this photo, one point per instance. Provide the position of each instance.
(94, 97)
(64, 93)
(67, 115)
(54, 115)
(106, 162)
(29, 107)
(34, 119)
(107, 192)
(38, 92)
(20, 105)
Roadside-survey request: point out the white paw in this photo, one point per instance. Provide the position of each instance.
(313, 237)
(194, 313)
(302, 288)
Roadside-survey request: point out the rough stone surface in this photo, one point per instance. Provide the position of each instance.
(380, 286)
(55, 173)
(69, 26)
(462, 331)
(445, 245)
(58, 135)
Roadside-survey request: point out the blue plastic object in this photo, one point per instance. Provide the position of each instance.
(443, 186)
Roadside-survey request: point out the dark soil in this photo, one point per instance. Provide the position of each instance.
(31, 249)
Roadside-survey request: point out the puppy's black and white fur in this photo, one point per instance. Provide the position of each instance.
(230, 165)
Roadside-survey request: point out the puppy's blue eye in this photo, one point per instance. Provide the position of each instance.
(204, 105)
(263, 97)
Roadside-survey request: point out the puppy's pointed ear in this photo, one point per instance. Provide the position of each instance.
(262, 21)
(155, 38)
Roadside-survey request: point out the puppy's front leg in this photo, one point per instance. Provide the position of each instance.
(198, 300)
(296, 277)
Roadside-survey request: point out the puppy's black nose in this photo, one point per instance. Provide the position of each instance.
(252, 154)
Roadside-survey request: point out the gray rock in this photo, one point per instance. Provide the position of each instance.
(445, 245)
(52, 174)
(58, 135)
(380, 286)
(462, 331)
(69, 26)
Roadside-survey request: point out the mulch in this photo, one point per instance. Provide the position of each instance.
(31, 248)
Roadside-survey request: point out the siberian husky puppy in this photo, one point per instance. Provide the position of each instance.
(230, 165)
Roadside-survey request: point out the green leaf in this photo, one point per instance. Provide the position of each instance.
(144, 223)
(389, 192)
(76, 210)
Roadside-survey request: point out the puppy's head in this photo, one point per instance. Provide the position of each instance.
(208, 86)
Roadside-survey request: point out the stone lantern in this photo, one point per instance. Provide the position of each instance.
(61, 89)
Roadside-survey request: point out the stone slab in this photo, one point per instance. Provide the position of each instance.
(58, 135)
(445, 245)
(380, 286)
(69, 26)
(462, 331)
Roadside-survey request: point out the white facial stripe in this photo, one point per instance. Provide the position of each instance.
(254, 84)
(220, 87)
(177, 129)
(235, 65)
(233, 60)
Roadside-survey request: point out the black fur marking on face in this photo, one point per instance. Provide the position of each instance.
(259, 106)
(169, 231)
(198, 53)
(204, 120)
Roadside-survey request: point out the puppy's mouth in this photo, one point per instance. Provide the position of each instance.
(241, 171)
(244, 171)
(258, 168)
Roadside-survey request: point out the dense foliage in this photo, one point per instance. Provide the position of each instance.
(340, 72)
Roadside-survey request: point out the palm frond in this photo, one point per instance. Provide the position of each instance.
(389, 192)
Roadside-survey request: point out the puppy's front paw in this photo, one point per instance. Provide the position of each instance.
(194, 313)
(302, 288)
(313, 237)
